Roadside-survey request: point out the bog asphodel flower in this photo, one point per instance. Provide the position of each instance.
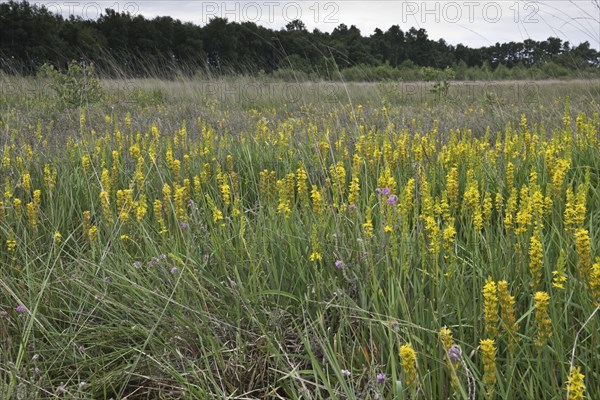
(490, 307)
(576, 385)
(594, 281)
(544, 327)
(409, 364)
(488, 353)
(536, 253)
(507, 313)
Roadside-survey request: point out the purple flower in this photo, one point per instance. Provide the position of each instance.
(380, 378)
(339, 264)
(385, 191)
(392, 200)
(183, 225)
(377, 191)
(352, 207)
(21, 309)
(81, 349)
(174, 270)
(454, 354)
(73, 276)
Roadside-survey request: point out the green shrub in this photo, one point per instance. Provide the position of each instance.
(77, 86)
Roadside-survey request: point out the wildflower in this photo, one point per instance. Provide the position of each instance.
(346, 373)
(583, 250)
(317, 200)
(385, 191)
(352, 207)
(174, 270)
(594, 281)
(409, 363)
(339, 264)
(536, 253)
(452, 187)
(445, 336)
(490, 307)
(576, 385)
(57, 238)
(558, 275)
(544, 327)
(21, 309)
(368, 225)
(11, 243)
(183, 225)
(93, 233)
(392, 200)
(380, 378)
(507, 313)
(354, 191)
(488, 350)
(454, 354)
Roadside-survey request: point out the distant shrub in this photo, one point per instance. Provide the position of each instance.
(77, 86)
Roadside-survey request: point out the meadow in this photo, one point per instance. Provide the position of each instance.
(253, 239)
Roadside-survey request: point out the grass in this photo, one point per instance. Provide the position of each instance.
(233, 257)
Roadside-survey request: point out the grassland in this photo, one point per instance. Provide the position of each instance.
(251, 239)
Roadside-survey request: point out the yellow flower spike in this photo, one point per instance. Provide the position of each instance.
(302, 186)
(368, 225)
(49, 176)
(317, 201)
(488, 355)
(594, 281)
(32, 215)
(17, 205)
(27, 182)
(536, 261)
(452, 187)
(409, 364)
(507, 314)
(559, 276)
(85, 162)
(11, 243)
(584, 252)
(106, 210)
(93, 233)
(576, 385)
(57, 238)
(544, 324)
(445, 337)
(490, 307)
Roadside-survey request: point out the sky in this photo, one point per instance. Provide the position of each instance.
(472, 23)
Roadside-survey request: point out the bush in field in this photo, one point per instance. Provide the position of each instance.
(77, 86)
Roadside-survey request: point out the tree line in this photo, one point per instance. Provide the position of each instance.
(124, 44)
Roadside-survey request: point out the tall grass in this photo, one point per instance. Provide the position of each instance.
(189, 242)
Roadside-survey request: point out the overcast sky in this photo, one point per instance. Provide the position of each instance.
(473, 23)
